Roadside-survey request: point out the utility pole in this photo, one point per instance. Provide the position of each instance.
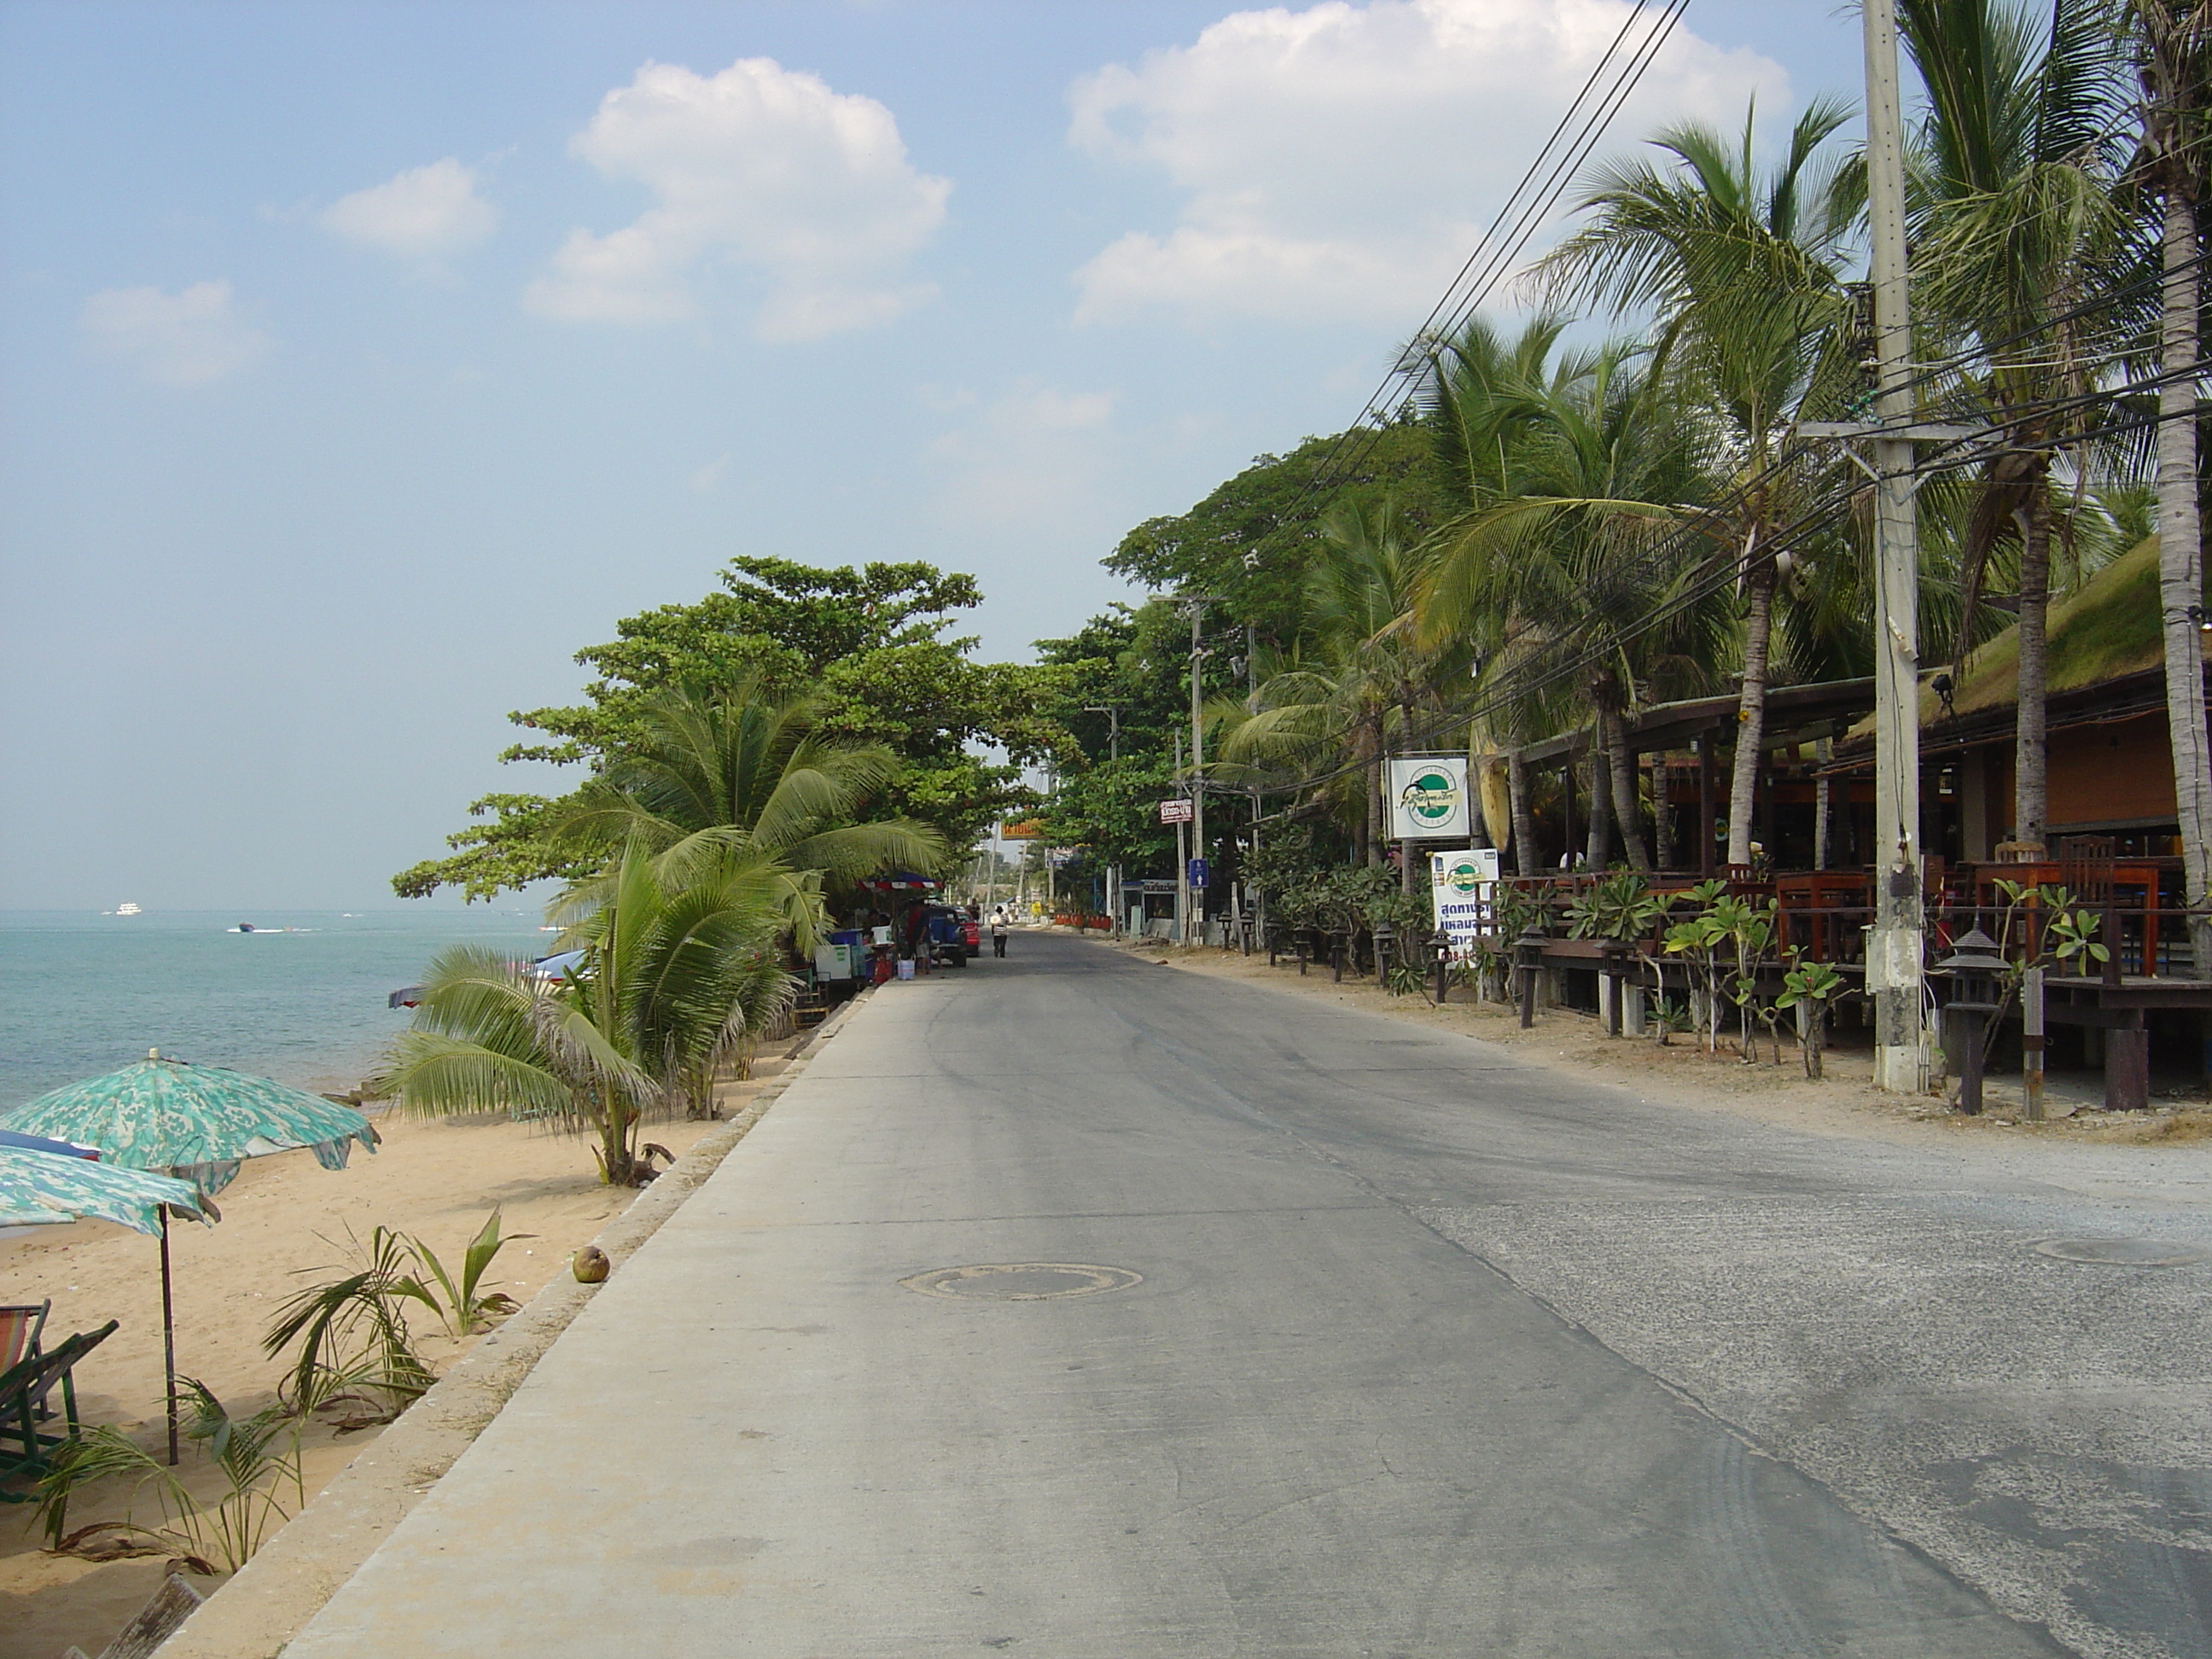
(1893, 981)
(1112, 714)
(1894, 944)
(1182, 854)
(1112, 711)
(1197, 603)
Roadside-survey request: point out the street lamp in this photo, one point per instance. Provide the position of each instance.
(1975, 970)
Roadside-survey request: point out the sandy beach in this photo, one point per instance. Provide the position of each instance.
(285, 1219)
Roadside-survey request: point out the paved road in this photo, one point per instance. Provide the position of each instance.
(1427, 1352)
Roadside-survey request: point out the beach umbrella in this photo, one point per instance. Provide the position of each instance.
(41, 1144)
(37, 1189)
(197, 1124)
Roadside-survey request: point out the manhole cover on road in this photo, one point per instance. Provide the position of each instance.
(2124, 1252)
(1022, 1281)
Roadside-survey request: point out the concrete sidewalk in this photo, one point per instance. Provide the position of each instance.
(1296, 1421)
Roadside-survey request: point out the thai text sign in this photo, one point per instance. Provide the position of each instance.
(1176, 811)
(1428, 799)
(1460, 887)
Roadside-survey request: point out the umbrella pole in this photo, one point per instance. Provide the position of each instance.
(168, 1337)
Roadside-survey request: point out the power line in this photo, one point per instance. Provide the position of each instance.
(1525, 216)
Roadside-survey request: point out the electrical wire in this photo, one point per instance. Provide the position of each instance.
(1525, 216)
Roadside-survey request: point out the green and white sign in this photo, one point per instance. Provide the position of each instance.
(1459, 886)
(1428, 799)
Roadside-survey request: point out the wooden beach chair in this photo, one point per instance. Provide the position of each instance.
(23, 1450)
(20, 1326)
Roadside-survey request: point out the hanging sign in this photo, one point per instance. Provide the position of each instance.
(1428, 799)
(1461, 883)
(1178, 811)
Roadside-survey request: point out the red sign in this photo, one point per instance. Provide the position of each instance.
(1176, 811)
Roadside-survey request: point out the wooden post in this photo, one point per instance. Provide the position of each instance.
(1705, 803)
(2030, 1046)
(1567, 807)
(2127, 1067)
(1973, 1028)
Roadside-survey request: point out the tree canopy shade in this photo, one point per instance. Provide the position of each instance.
(859, 660)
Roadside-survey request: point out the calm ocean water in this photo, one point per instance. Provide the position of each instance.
(82, 993)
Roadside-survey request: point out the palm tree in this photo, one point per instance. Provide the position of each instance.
(2173, 42)
(672, 982)
(1485, 397)
(2016, 224)
(1740, 268)
(1572, 544)
(1356, 670)
(707, 773)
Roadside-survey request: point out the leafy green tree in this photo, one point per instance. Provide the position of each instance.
(1361, 678)
(1739, 265)
(707, 773)
(866, 653)
(674, 980)
(2171, 43)
(2016, 224)
(1112, 808)
(1249, 542)
(1572, 542)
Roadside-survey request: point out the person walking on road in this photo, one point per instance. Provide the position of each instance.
(998, 932)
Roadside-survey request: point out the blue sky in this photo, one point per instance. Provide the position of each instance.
(362, 363)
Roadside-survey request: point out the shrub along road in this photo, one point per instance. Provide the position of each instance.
(1380, 1343)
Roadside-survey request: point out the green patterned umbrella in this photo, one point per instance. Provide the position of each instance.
(197, 1123)
(47, 1187)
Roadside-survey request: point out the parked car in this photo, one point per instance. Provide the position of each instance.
(955, 939)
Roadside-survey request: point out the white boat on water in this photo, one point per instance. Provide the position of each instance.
(125, 908)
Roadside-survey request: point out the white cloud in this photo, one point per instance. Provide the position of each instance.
(1029, 455)
(426, 214)
(1340, 161)
(187, 338)
(760, 168)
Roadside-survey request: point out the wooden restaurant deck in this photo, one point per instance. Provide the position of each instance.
(1822, 913)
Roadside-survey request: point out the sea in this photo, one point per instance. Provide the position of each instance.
(302, 998)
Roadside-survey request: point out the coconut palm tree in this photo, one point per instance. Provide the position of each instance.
(2173, 41)
(672, 980)
(1740, 268)
(2015, 224)
(1485, 397)
(1574, 546)
(708, 773)
(1357, 677)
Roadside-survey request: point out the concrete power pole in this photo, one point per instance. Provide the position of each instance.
(1112, 714)
(1894, 944)
(1182, 854)
(1198, 602)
